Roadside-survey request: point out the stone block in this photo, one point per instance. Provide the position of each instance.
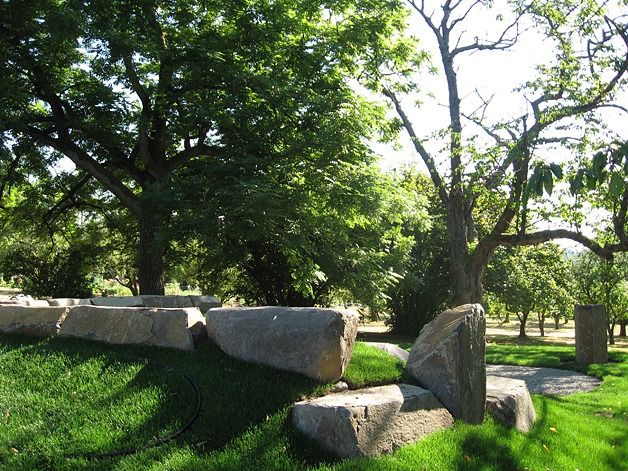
(167, 301)
(39, 321)
(372, 421)
(448, 358)
(118, 301)
(591, 335)
(508, 401)
(315, 342)
(147, 326)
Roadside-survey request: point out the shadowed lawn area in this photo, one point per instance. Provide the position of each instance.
(114, 397)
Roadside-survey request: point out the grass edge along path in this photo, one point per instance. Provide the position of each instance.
(244, 422)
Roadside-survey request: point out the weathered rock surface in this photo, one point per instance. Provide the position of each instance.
(448, 358)
(372, 421)
(508, 401)
(315, 342)
(591, 335)
(149, 326)
(392, 349)
(39, 321)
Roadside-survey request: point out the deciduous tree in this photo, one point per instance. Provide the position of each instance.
(493, 175)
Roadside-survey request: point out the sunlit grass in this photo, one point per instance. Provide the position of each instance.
(245, 418)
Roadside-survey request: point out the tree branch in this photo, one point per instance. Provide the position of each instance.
(427, 159)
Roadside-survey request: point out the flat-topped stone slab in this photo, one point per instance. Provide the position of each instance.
(508, 401)
(149, 326)
(38, 321)
(311, 341)
(372, 421)
(448, 358)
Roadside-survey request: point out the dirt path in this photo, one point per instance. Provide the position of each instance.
(378, 332)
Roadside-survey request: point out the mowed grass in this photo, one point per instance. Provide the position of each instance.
(61, 399)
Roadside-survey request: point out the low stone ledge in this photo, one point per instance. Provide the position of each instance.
(119, 325)
(118, 301)
(311, 341)
(508, 401)
(66, 302)
(31, 320)
(372, 421)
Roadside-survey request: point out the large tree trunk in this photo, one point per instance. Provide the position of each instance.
(151, 252)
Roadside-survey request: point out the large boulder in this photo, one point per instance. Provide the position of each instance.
(508, 401)
(448, 358)
(315, 342)
(371, 421)
(39, 321)
(149, 326)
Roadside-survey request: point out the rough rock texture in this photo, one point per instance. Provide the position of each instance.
(161, 327)
(448, 358)
(39, 321)
(315, 342)
(372, 421)
(591, 336)
(391, 349)
(508, 401)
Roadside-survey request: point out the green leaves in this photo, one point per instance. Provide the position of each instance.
(607, 171)
(542, 179)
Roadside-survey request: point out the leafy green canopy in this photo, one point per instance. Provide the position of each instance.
(155, 99)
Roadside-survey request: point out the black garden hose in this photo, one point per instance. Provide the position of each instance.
(130, 451)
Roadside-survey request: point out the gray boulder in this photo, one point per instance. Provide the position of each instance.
(149, 326)
(508, 401)
(448, 358)
(315, 342)
(371, 421)
(39, 321)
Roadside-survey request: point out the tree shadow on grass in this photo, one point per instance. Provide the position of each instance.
(236, 396)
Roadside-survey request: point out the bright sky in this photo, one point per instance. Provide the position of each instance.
(492, 73)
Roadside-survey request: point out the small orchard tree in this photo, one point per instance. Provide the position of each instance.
(529, 280)
(600, 281)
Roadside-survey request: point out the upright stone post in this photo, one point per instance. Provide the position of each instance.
(591, 340)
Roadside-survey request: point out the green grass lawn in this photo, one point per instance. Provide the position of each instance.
(62, 399)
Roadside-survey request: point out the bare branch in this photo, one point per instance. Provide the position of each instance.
(427, 158)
